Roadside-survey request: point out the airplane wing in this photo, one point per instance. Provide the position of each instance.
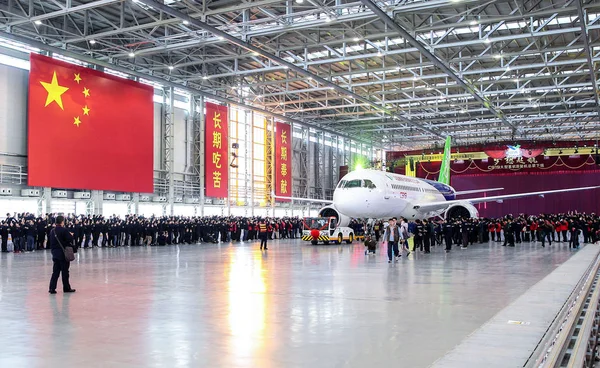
(303, 199)
(477, 191)
(431, 206)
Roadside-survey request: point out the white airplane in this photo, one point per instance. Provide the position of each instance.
(378, 194)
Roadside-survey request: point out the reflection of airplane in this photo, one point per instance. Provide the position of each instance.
(378, 194)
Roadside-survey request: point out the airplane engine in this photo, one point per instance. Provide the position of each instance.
(330, 210)
(460, 210)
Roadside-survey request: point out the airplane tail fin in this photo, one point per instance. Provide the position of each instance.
(444, 177)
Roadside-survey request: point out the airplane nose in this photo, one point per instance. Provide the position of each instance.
(341, 202)
(351, 204)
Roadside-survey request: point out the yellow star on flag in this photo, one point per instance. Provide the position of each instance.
(86, 92)
(55, 91)
(77, 121)
(86, 110)
(77, 78)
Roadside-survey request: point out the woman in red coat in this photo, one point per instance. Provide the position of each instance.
(499, 231)
(533, 229)
(492, 230)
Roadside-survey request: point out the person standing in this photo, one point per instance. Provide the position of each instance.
(509, 238)
(419, 232)
(4, 230)
(448, 228)
(427, 235)
(391, 236)
(465, 229)
(60, 238)
(263, 234)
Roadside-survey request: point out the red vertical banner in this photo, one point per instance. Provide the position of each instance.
(216, 165)
(283, 161)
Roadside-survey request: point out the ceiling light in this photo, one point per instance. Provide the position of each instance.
(259, 96)
(463, 111)
(356, 39)
(379, 53)
(474, 22)
(327, 19)
(398, 68)
(92, 42)
(530, 99)
(497, 56)
(171, 67)
(416, 77)
(255, 53)
(429, 88)
(131, 54)
(186, 22)
(38, 22)
(487, 40)
(205, 77)
(517, 80)
(299, 1)
(508, 68)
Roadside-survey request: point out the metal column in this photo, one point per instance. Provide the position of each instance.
(197, 113)
(168, 137)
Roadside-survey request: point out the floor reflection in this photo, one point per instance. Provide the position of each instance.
(225, 305)
(247, 287)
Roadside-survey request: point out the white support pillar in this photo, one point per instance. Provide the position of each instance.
(97, 198)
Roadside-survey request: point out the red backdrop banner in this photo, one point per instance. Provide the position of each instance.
(88, 129)
(215, 151)
(283, 161)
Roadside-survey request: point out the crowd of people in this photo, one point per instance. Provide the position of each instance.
(572, 228)
(29, 233)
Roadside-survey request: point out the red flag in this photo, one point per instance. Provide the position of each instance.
(88, 129)
(283, 161)
(215, 151)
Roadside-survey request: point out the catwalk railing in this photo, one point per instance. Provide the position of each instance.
(572, 338)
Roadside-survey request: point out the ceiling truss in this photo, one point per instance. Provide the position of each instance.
(399, 74)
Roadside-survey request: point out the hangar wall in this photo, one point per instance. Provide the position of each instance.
(316, 159)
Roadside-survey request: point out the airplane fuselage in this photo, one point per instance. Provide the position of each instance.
(378, 194)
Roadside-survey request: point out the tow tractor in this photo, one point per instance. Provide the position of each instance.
(325, 229)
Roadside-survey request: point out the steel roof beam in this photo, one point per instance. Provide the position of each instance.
(245, 45)
(588, 51)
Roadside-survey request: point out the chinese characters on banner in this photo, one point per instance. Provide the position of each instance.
(283, 161)
(216, 162)
(515, 163)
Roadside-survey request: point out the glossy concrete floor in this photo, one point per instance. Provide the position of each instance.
(234, 306)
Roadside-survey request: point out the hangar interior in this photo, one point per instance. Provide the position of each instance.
(353, 78)
(360, 83)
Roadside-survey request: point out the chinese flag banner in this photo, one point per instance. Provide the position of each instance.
(88, 129)
(283, 161)
(215, 151)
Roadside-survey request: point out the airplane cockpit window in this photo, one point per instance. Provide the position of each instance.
(368, 184)
(342, 183)
(356, 183)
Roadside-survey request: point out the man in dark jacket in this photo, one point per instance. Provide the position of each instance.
(61, 265)
(4, 230)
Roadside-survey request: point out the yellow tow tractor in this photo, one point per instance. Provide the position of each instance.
(325, 229)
